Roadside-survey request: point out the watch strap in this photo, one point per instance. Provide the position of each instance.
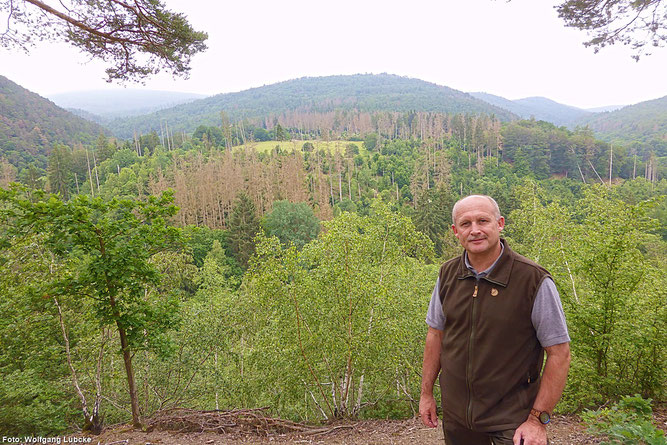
(538, 414)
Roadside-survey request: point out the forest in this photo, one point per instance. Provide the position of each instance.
(288, 262)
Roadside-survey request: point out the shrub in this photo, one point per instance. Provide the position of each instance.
(627, 422)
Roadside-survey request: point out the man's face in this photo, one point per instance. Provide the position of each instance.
(476, 226)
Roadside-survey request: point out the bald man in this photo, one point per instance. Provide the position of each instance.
(493, 315)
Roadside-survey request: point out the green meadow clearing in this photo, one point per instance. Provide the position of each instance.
(295, 144)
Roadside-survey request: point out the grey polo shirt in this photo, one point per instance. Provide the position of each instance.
(547, 316)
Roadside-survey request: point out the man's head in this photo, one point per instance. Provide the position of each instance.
(477, 224)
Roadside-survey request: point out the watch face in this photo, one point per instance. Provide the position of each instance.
(544, 417)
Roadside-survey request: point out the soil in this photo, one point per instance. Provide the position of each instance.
(563, 430)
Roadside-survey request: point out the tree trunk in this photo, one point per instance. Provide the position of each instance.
(127, 359)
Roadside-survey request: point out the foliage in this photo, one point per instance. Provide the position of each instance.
(59, 171)
(347, 95)
(30, 125)
(644, 122)
(202, 370)
(113, 243)
(613, 294)
(639, 24)
(432, 217)
(34, 395)
(344, 315)
(292, 223)
(138, 39)
(239, 347)
(244, 226)
(626, 422)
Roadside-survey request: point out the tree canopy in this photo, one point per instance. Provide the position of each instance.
(137, 38)
(114, 242)
(292, 222)
(640, 24)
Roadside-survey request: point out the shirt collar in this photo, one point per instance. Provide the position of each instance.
(487, 271)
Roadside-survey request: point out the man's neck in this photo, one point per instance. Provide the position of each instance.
(481, 262)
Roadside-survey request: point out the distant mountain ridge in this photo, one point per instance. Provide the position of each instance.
(105, 105)
(363, 92)
(605, 108)
(645, 121)
(31, 124)
(539, 108)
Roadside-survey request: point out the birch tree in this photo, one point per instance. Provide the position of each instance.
(336, 327)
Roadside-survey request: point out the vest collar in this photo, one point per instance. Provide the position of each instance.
(501, 272)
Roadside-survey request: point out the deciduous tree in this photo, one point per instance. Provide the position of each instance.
(330, 314)
(112, 242)
(292, 222)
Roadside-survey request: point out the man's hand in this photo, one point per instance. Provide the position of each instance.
(532, 432)
(430, 370)
(553, 381)
(427, 410)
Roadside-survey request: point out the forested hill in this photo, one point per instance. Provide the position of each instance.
(643, 122)
(30, 125)
(540, 108)
(363, 92)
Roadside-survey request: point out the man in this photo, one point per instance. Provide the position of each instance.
(493, 314)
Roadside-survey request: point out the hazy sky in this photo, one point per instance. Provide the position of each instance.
(513, 49)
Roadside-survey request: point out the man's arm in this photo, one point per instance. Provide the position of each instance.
(430, 370)
(551, 387)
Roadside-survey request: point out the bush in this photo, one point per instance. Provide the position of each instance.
(627, 422)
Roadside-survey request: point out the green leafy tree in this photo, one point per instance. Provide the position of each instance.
(344, 315)
(138, 39)
(292, 222)
(34, 385)
(370, 141)
(260, 134)
(611, 286)
(114, 242)
(243, 227)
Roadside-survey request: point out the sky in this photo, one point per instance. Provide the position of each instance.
(512, 49)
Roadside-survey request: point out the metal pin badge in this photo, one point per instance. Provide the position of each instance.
(494, 292)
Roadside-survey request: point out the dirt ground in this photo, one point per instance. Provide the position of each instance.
(564, 430)
(253, 427)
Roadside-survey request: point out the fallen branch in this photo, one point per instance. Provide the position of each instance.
(244, 421)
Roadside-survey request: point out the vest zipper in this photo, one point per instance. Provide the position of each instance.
(471, 339)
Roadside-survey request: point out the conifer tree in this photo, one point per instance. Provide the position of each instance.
(59, 171)
(243, 226)
(136, 39)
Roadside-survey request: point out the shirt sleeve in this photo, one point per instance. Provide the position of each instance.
(548, 317)
(435, 318)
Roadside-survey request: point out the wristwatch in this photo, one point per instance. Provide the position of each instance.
(542, 416)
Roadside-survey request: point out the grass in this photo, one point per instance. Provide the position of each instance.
(295, 144)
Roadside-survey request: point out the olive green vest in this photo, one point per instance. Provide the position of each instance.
(490, 356)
